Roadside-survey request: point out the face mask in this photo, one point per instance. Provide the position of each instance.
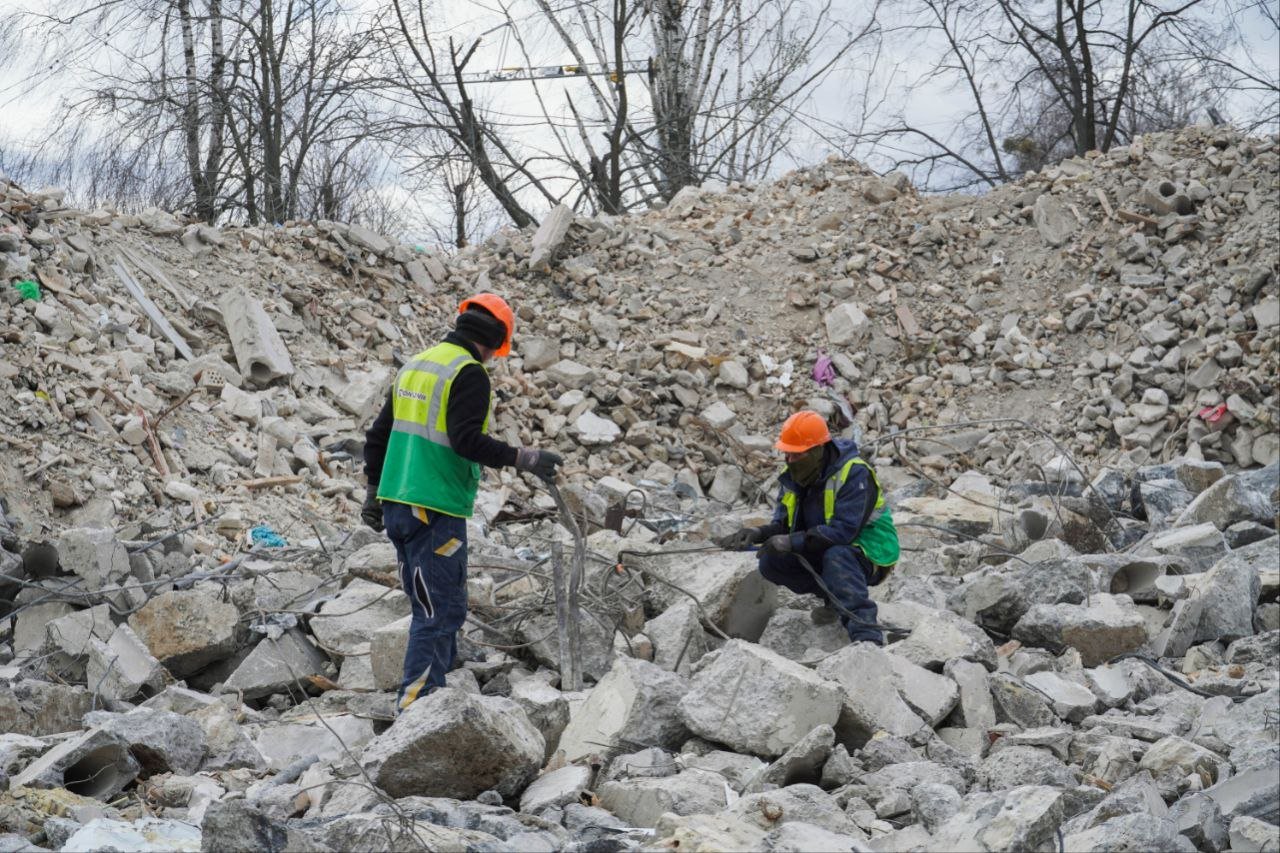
(806, 469)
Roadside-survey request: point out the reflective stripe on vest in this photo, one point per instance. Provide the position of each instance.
(425, 381)
(877, 538)
(421, 468)
(834, 483)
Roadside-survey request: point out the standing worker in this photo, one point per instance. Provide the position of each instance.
(422, 458)
(831, 511)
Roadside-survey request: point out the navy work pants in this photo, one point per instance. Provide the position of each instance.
(845, 571)
(431, 550)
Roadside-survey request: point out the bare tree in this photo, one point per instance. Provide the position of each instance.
(728, 78)
(1043, 81)
(240, 92)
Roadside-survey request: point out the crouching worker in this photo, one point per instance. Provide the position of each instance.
(832, 512)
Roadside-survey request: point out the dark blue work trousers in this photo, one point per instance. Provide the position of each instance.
(845, 571)
(431, 550)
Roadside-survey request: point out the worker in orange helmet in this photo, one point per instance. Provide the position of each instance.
(422, 458)
(832, 511)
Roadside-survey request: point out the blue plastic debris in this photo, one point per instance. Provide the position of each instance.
(266, 537)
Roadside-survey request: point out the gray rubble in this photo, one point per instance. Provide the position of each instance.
(204, 644)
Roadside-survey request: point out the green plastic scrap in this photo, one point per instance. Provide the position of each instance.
(27, 289)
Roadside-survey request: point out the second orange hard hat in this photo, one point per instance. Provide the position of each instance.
(802, 431)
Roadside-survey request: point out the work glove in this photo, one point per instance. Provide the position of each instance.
(777, 545)
(740, 539)
(815, 542)
(541, 463)
(371, 512)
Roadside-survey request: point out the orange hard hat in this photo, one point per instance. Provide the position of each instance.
(802, 431)
(498, 307)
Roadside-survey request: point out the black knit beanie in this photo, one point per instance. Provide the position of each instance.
(478, 325)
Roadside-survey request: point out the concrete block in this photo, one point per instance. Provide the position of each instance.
(260, 352)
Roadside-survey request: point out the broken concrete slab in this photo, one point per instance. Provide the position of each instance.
(642, 801)
(1228, 592)
(1107, 626)
(870, 700)
(123, 666)
(555, 789)
(94, 554)
(636, 701)
(550, 235)
(757, 701)
(730, 591)
(160, 741)
(456, 744)
(187, 629)
(95, 763)
(350, 620)
(277, 665)
(260, 352)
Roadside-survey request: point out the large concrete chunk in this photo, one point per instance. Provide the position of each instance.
(94, 554)
(757, 701)
(123, 666)
(636, 702)
(930, 695)
(455, 744)
(546, 707)
(1226, 502)
(39, 708)
(229, 746)
(96, 763)
(1052, 220)
(67, 640)
(276, 666)
(871, 702)
(732, 593)
(260, 352)
(336, 739)
(942, 637)
(571, 374)
(677, 637)
(640, 802)
(1228, 592)
(387, 646)
(999, 597)
(350, 620)
(847, 325)
(1108, 626)
(550, 234)
(160, 741)
(794, 634)
(1071, 701)
(187, 629)
(555, 789)
(976, 709)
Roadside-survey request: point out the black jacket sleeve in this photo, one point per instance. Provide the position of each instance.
(375, 444)
(464, 419)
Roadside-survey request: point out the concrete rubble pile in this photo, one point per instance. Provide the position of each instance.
(201, 645)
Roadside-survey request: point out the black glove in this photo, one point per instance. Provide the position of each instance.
(740, 539)
(776, 545)
(815, 542)
(371, 512)
(541, 463)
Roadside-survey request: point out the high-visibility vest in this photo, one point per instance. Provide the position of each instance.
(421, 467)
(878, 538)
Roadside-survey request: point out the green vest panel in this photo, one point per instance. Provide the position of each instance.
(878, 538)
(420, 467)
